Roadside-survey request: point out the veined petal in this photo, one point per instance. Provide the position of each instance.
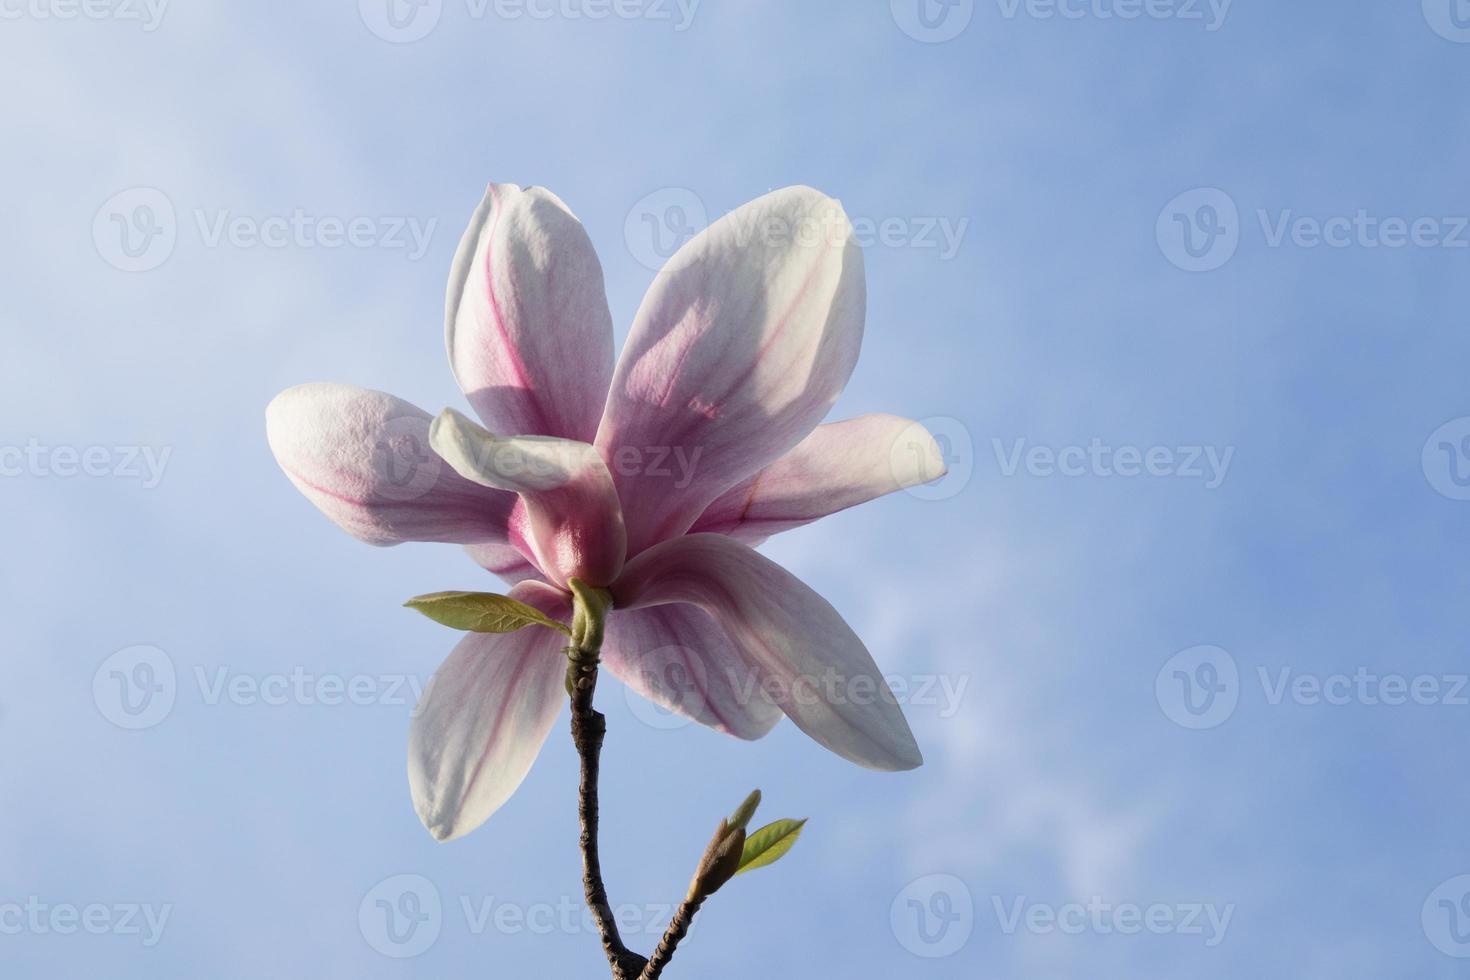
(678, 657)
(824, 678)
(838, 466)
(743, 343)
(363, 458)
(483, 718)
(573, 524)
(526, 317)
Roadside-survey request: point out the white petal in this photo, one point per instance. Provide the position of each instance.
(740, 348)
(483, 718)
(677, 656)
(827, 682)
(363, 458)
(526, 317)
(839, 465)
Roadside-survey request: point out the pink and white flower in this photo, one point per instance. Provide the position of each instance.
(741, 346)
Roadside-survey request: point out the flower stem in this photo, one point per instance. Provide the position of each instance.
(589, 726)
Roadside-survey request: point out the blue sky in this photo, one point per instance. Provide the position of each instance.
(1201, 720)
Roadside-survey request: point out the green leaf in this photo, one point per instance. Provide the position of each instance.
(481, 612)
(746, 810)
(769, 844)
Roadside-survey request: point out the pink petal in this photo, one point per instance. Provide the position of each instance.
(838, 466)
(743, 343)
(483, 718)
(504, 560)
(363, 458)
(679, 658)
(572, 522)
(526, 317)
(819, 671)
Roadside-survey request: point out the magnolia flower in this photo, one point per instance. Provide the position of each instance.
(653, 479)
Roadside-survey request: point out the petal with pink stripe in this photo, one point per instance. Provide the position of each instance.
(363, 458)
(743, 343)
(483, 719)
(817, 669)
(840, 465)
(678, 657)
(526, 317)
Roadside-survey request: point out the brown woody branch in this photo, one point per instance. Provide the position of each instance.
(588, 728)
